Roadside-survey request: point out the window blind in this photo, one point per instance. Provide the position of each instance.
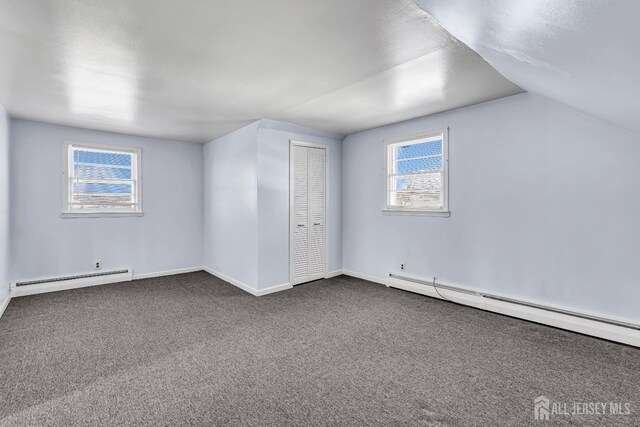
(102, 180)
(415, 174)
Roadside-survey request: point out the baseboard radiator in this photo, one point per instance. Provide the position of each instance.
(611, 329)
(52, 284)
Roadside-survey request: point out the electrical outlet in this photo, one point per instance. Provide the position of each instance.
(401, 266)
(98, 265)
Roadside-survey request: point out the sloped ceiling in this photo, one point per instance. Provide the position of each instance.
(194, 70)
(582, 53)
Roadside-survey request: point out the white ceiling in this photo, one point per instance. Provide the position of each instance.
(194, 70)
(582, 53)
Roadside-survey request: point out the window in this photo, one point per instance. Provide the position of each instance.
(101, 181)
(417, 172)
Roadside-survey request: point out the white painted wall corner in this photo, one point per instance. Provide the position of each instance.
(231, 280)
(382, 281)
(334, 273)
(273, 289)
(137, 276)
(4, 303)
(247, 288)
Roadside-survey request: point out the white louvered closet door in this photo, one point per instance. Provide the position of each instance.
(316, 213)
(308, 243)
(300, 242)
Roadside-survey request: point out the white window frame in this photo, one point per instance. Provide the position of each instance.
(395, 210)
(68, 212)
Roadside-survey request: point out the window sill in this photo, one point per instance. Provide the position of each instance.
(442, 214)
(100, 214)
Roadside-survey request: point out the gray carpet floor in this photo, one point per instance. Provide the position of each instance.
(194, 350)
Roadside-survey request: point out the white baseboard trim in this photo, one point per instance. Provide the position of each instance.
(138, 276)
(231, 280)
(374, 279)
(273, 289)
(4, 303)
(333, 273)
(247, 288)
(568, 322)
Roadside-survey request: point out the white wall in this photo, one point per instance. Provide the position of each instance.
(544, 207)
(231, 205)
(5, 249)
(168, 236)
(273, 198)
(247, 202)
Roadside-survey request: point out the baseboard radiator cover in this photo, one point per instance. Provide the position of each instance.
(64, 279)
(611, 329)
(37, 286)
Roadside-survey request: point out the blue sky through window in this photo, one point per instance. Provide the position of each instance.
(102, 165)
(101, 172)
(417, 176)
(421, 149)
(419, 157)
(419, 165)
(95, 188)
(102, 158)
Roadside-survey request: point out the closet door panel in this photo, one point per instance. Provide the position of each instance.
(317, 216)
(300, 259)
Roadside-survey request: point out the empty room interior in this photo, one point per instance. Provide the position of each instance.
(297, 212)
